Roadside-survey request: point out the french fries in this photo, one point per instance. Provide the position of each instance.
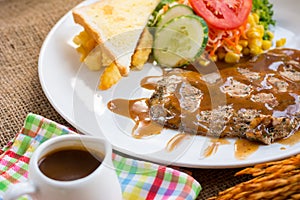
(85, 44)
(142, 51)
(110, 76)
(92, 55)
(95, 57)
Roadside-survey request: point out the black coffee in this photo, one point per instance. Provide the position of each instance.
(68, 164)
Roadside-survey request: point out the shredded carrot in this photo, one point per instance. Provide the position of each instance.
(227, 39)
(215, 47)
(236, 35)
(229, 42)
(243, 31)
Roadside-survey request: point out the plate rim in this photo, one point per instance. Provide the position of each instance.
(69, 119)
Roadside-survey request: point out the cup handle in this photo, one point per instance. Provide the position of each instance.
(18, 190)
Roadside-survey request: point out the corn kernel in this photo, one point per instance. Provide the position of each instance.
(260, 29)
(270, 34)
(253, 33)
(243, 43)
(214, 58)
(203, 61)
(246, 51)
(280, 42)
(255, 50)
(251, 20)
(255, 43)
(266, 44)
(239, 48)
(256, 18)
(231, 57)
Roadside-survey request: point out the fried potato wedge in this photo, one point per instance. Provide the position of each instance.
(95, 57)
(85, 44)
(110, 76)
(142, 51)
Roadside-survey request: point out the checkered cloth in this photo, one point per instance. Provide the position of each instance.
(138, 179)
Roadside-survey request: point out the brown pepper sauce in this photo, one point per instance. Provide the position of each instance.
(138, 109)
(291, 140)
(243, 148)
(69, 164)
(214, 146)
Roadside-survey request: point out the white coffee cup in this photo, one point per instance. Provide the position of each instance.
(102, 183)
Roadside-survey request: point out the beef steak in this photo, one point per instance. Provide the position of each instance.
(257, 99)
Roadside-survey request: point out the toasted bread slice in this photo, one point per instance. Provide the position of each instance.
(111, 74)
(117, 25)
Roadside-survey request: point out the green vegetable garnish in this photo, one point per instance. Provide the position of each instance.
(264, 9)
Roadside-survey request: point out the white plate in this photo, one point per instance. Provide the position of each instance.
(71, 89)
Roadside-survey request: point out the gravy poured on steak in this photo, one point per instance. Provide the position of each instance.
(261, 99)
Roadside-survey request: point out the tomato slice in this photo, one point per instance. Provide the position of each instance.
(223, 14)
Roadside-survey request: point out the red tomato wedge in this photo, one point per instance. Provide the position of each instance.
(223, 14)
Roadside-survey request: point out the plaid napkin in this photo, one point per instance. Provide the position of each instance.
(159, 182)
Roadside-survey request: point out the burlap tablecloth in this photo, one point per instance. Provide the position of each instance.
(24, 24)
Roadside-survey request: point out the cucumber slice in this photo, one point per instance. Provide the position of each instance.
(180, 41)
(159, 11)
(173, 12)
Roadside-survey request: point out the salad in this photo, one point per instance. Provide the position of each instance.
(226, 30)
